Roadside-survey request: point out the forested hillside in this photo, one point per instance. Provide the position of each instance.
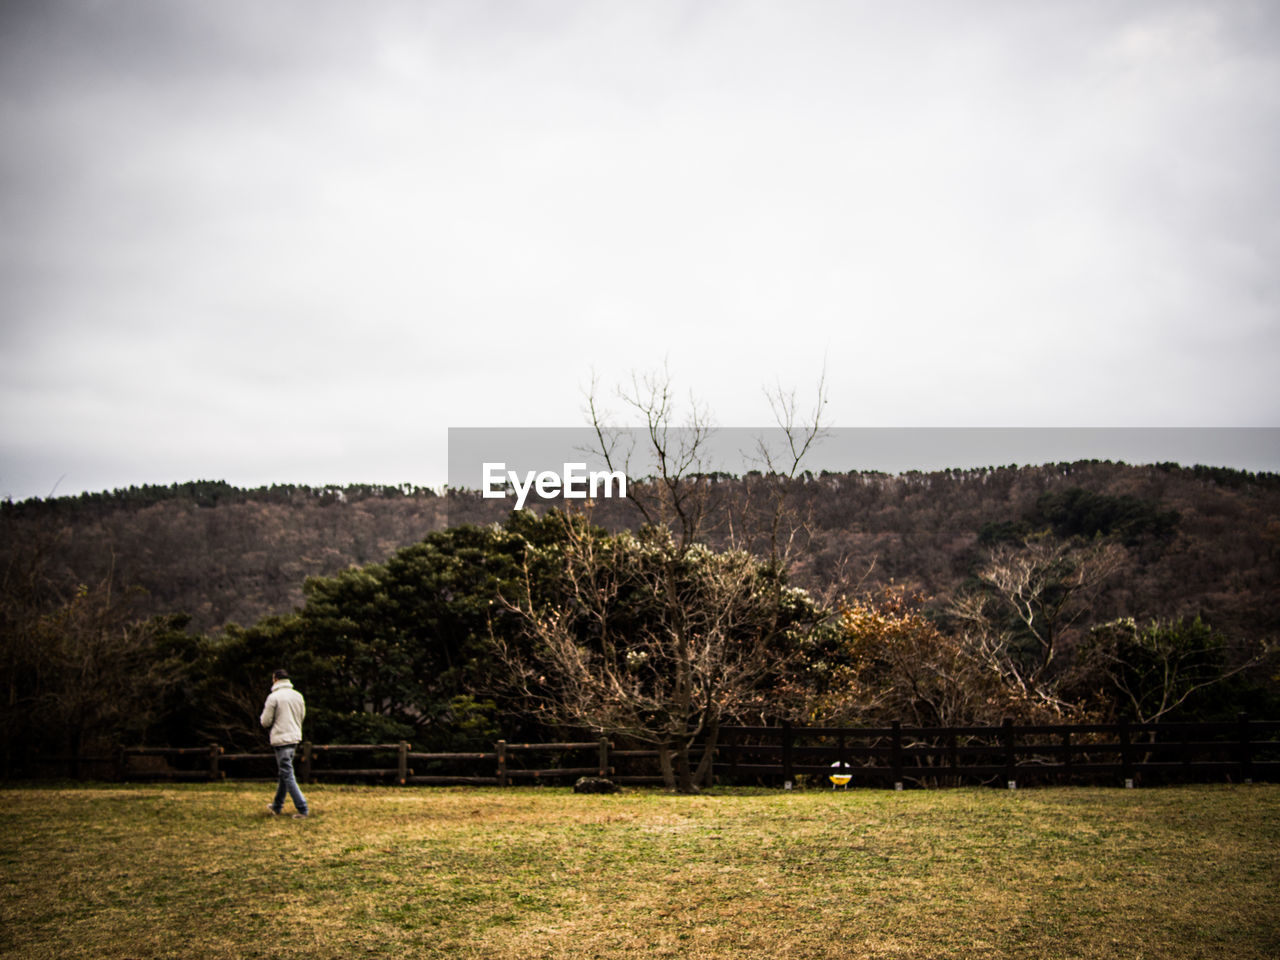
(1067, 591)
(1197, 540)
(212, 551)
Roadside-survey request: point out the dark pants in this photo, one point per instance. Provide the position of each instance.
(287, 785)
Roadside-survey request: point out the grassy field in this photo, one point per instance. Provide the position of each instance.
(202, 871)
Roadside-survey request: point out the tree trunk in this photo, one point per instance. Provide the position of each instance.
(684, 776)
(703, 777)
(664, 763)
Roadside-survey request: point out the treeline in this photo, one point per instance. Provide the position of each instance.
(1061, 591)
(222, 555)
(213, 552)
(212, 493)
(547, 621)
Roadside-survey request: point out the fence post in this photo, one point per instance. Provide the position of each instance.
(604, 757)
(1126, 754)
(214, 752)
(402, 763)
(895, 755)
(787, 773)
(1066, 754)
(1246, 752)
(1010, 754)
(305, 766)
(953, 757)
(502, 763)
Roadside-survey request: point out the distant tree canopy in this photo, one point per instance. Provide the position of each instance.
(226, 555)
(1076, 512)
(214, 552)
(213, 493)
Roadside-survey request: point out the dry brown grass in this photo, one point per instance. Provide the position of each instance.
(128, 871)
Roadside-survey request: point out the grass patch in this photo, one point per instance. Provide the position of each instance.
(201, 870)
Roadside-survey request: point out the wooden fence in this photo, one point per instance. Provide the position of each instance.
(506, 764)
(1009, 755)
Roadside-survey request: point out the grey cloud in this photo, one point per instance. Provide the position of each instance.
(1000, 213)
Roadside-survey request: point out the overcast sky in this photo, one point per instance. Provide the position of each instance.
(270, 241)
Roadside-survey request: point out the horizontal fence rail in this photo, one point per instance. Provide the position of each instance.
(1009, 754)
(1128, 754)
(506, 764)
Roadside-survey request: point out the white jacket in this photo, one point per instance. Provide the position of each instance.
(283, 714)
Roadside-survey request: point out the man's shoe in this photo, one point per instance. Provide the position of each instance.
(300, 816)
(273, 811)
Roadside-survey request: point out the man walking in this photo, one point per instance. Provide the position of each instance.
(283, 715)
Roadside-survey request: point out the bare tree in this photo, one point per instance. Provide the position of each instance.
(1031, 599)
(676, 494)
(799, 432)
(655, 636)
(653, 641)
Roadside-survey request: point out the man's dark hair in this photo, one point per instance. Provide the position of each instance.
(280, 675)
